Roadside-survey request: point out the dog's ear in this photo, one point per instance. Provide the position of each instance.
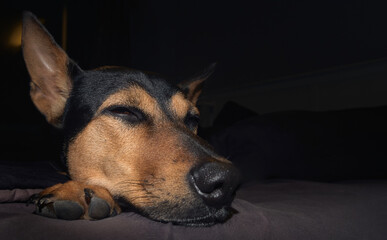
(49, 68)
(192, 88)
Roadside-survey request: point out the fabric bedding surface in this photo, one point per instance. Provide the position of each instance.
(29, 175)
(271, 210)
(16, 195)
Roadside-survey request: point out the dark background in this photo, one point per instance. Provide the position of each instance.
(253, 42)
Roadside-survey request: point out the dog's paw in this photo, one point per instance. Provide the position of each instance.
(75, 200)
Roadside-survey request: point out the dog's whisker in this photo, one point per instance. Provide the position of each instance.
(140, 182)
(130, 191)
(147, 196)
(132, 181)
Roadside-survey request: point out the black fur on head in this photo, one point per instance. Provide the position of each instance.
(91, 88)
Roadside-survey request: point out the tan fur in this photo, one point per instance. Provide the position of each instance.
(193, 88)
(47, 66)
(146, 163)
(179, 106)
(133, 96)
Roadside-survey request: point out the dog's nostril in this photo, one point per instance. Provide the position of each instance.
(215, 183)
(218, 185)
(208, 179)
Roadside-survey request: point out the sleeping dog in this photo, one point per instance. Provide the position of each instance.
(130, 141)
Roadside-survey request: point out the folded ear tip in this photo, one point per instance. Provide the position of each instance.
(30, 22)
(27, 13)
(28, 16)
(208, 71)
(213, 65)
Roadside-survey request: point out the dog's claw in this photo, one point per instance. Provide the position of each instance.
(88, 194)
(62, 209)
(33, 199)
(43, 201)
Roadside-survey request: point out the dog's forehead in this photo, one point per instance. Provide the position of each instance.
(113, 79)
(98, 85)
(92, 88)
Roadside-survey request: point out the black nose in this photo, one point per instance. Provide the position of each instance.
(215, 182)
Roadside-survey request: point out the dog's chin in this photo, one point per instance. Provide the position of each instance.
(207, 218)
(213, 217)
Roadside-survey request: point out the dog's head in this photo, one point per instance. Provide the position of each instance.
(132, 133)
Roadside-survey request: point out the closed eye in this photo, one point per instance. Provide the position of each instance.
(129, 114)
(192, 121)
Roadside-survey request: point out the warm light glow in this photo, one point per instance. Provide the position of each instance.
(15, 37)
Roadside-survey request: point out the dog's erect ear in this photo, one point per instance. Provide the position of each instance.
(49, 69)
(193, 87)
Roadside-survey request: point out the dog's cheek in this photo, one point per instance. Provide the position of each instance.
(93, 153)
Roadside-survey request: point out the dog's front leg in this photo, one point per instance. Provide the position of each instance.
(75, 200)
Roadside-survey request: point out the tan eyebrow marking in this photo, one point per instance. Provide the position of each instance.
(133, 96)
(179, 105)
